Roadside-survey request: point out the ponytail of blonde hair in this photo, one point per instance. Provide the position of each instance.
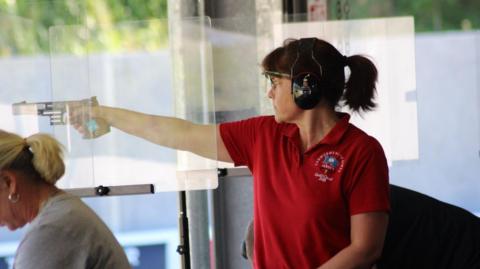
(46, 152)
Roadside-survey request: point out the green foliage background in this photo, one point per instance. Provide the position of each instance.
(430, 15)
(25, 25)
(78, 26)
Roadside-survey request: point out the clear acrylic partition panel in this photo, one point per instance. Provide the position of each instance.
(142, 66)
(194, 97)
(236, 67)
(389, 42)
(71, 81)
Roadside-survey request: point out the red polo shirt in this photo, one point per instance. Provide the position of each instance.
(303, 201)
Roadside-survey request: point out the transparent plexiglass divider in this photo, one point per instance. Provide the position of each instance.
(193, 82)
(70, 78)
(236, 67)
(389, 43)
(154, 67)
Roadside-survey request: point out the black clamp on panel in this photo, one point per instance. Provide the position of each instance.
(222, 172)
(102, 190)
(181, 249)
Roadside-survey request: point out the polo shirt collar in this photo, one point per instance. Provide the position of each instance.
(332, 138)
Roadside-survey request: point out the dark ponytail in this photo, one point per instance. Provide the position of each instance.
(360, 88)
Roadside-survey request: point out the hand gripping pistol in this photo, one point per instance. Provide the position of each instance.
(57, 112)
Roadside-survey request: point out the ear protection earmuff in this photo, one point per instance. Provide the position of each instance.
(306, 85)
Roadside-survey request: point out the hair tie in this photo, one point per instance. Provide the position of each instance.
(345, 60)
(25, 144)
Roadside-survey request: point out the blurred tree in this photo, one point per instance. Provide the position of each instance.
(111, 24)
(430, 15)
(25, 25)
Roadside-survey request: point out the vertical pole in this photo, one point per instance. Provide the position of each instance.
(184, 248)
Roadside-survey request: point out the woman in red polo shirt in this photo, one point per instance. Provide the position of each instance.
(320, 184)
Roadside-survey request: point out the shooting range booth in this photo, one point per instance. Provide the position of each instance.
(201, 63)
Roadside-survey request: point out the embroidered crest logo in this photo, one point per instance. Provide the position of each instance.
(328, 164)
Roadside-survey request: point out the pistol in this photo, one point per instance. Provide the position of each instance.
(57, 113)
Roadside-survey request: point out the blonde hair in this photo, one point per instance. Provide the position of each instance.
(40, 151)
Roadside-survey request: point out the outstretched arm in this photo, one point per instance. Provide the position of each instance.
(165, 131)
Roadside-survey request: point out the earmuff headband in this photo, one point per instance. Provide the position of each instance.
(305, 45)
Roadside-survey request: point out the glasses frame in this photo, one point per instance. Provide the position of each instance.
(269, 74)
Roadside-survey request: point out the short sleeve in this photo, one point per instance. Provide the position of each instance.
(46, 248)
(239, 138)
(367, 190)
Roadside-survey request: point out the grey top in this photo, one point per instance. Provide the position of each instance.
(68, 234)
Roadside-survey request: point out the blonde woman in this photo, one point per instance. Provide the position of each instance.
(63, 231)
